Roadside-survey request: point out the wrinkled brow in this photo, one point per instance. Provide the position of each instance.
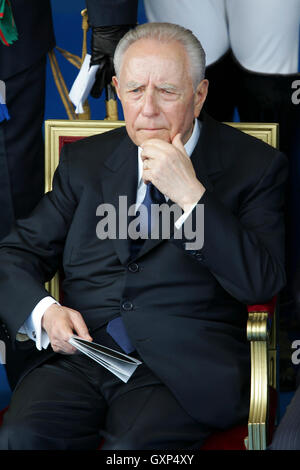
(168, 87)
(164, 86)
(132, 85)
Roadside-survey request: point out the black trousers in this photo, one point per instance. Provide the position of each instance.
(22, 145)
(258, 97)
(223, 77)
(72, 403)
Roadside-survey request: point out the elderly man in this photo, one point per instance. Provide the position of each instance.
(180, 311)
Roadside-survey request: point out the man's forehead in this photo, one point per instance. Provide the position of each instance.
(147, 44)
(158, 64)
(161, 53)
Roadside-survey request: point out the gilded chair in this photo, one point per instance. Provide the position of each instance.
(261, 327)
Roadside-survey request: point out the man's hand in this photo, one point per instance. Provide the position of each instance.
(61, 323)
(170, 169)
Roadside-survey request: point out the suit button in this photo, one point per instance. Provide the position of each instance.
(133, 267)
(199, 256)
(127, 305)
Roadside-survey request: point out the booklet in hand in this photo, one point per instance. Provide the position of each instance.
(120, 364)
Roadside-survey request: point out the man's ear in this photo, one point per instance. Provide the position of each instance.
(200, 96)
(116, 85)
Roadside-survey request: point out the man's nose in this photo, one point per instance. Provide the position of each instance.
(150, 105)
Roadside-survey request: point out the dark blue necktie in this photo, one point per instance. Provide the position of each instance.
(152, 196)
(116, 327)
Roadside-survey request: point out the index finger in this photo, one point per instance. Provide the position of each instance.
(155, 149)
(155, 143)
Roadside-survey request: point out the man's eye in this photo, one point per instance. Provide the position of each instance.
(168, 93)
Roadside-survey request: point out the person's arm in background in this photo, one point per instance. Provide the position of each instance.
(109, 22)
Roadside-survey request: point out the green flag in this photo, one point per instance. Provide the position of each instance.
(8, 30)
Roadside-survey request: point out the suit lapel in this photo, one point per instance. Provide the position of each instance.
(119, 189)
(206, 155)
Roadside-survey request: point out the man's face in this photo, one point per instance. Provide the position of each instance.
(156, 91)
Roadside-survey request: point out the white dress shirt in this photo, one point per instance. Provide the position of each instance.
(32, 326)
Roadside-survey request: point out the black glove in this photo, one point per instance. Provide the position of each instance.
(104, 43)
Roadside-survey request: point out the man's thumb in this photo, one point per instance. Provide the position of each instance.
(81, 328)
(177, 142)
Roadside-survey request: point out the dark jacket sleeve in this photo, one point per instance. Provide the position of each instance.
(111, 12)
(31, 254)
(244, 251)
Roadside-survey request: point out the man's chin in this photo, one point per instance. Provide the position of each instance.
(146, 134)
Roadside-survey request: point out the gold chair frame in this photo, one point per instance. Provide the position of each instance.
(262, 341)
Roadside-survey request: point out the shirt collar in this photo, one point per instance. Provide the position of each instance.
(189, 147)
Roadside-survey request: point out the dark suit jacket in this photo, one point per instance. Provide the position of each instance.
(33, 20)
(185, 311)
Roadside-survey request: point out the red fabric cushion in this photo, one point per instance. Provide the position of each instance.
(232, 439)
(268, 307)
(63, 139)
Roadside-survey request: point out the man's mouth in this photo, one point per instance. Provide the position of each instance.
(151, 129)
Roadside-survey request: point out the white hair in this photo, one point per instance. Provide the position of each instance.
(165, 32)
